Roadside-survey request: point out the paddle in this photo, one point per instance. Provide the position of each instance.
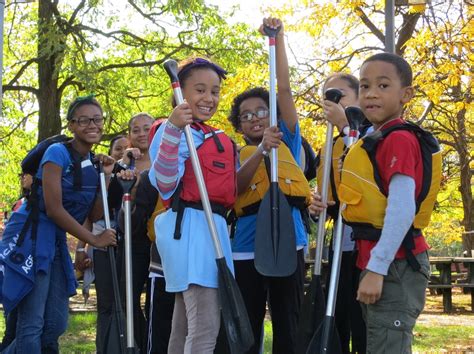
(275, 240)
(234, 313)
(312, 309)
(326, 338)
(115, 335)
(127, 185)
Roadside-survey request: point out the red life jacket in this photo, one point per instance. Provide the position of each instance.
(217, 157)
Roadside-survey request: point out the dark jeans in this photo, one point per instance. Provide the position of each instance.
(285, 296)
(159, 308)
(43, 313)
(348, 315)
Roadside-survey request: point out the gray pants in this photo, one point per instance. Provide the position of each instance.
(196, 321)
(390, 320)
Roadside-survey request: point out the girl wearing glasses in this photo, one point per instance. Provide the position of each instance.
(38, 273)
(250, 116)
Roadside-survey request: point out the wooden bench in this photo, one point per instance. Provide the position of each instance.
(445, 282)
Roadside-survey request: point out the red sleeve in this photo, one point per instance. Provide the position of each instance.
(400, 153)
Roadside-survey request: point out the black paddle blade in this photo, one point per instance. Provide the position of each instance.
(234, 313)
(275, 240)
(311, 314)
(326, 338)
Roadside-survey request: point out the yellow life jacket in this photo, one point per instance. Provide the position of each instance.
(338, 148)
(150, 225)
(361, 189)
(291, 181)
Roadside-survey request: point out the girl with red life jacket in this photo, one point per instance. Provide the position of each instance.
(182, 233)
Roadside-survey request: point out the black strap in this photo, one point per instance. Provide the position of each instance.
(77, 166)
(180, 205)
(363, 231)
(217, 141)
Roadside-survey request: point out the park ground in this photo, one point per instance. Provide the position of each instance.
(435, 332)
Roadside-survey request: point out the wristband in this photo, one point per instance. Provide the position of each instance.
(262, 150)
(82, 249)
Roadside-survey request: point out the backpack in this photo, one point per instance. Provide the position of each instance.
(30, 164)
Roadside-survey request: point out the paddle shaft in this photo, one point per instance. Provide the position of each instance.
(336, 265)
(273, 107)
(128, 269)
(113, 263)
(178, 95)
(324, 198)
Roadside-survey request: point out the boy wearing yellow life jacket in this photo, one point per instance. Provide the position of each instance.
(250, 116)
(390, 190)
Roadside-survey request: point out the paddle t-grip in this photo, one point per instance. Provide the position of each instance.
(271, 32)
(354, 116)
(171, 67)
(127, 184)
(132, 161)
(333, 95)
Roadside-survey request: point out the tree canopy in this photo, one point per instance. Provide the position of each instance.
(54, 51)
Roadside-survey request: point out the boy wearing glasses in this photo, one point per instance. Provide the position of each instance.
(250, 116)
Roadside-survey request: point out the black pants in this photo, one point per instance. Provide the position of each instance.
(159, 307)
(105, 297)
(348, 316)
(284, 294)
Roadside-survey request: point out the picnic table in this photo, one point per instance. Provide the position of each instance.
(446, 282)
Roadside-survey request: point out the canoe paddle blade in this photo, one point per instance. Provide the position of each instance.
(275, 240)
(234, 313)
(311, 314)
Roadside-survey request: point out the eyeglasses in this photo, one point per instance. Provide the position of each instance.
(260, 114)
(84, 121)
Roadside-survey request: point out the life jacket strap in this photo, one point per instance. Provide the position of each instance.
(181, 205)
(363, 231)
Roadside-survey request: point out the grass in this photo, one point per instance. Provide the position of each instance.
(435, 337)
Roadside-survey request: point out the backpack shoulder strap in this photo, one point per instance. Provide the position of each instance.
(76, 162)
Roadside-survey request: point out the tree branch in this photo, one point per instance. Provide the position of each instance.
(22, 70)
(20, 88)
(369, 24)
(406, 31)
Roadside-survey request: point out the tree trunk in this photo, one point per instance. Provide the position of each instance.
(48, 67)
(462, 148)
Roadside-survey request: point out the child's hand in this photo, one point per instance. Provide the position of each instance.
(317, 206)
(128, 175)
(334, 113)
(106, 238)
(370, 288)
(181, 116)
(271, 138)
(136, 153)
(272, 22)
(107, 163)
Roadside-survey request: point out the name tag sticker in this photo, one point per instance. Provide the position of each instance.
(86, 163)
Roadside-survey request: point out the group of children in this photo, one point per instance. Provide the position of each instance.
(391, 288)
